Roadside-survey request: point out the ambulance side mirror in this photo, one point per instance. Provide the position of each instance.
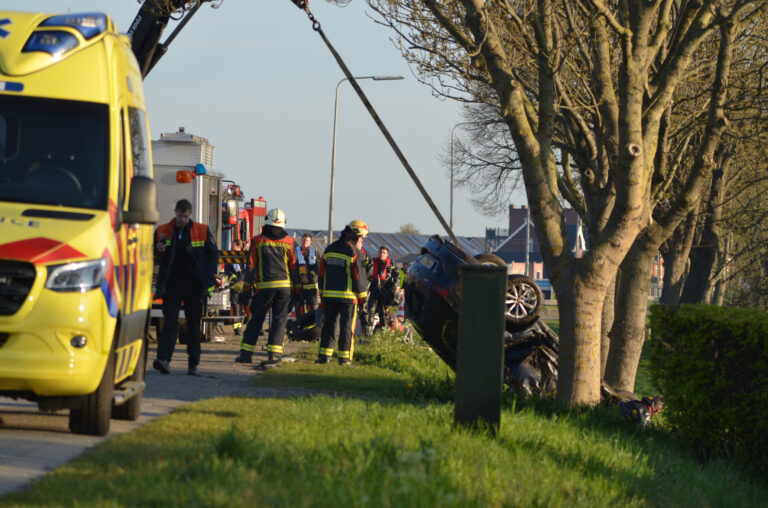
(142, 208)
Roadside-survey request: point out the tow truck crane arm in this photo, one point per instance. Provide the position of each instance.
(153, 17)
(149, 25)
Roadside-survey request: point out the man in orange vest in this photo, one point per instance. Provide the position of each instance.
(188, 258)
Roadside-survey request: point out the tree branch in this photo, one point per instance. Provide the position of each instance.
(603, 10)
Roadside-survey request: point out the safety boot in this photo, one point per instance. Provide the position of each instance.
(245, 357)
(322, 359)
(161, 365)
(273, 360)
(345, 361)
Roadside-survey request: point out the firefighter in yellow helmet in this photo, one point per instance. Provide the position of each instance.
(343, 285)
(271, 270)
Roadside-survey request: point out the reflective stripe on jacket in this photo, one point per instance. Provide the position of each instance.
(341, 274)
(271, 260)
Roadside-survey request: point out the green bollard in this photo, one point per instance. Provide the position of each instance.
(480, 347)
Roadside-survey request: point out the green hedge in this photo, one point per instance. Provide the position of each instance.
(711, 365)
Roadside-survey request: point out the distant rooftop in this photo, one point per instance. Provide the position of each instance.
(181, 136)
(402, 247)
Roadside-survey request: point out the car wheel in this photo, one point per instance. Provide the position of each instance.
(522, 302)
(93, 416)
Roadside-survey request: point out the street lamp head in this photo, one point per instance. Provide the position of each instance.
(387, 78)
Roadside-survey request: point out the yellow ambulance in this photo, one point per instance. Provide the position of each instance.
(77, 204)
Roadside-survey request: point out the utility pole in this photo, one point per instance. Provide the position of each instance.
(527, 241)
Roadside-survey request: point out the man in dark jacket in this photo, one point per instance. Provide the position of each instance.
(343, 286)
(188, 258)
(271, 271)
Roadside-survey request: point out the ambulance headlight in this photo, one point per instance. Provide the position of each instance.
(82, 276)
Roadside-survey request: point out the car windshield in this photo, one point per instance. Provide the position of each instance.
(54, 152)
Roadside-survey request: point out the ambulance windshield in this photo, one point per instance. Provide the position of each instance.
(54, 152)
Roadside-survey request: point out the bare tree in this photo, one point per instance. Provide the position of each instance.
(714, 253)
(591, 80)
(627, 333)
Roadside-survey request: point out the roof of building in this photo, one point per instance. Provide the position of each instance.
(402, 247)
(574, 231)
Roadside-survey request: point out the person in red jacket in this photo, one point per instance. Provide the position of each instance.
(385, 279)
(271, 272)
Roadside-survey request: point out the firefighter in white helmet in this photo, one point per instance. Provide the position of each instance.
(343, 285)
(272, 268)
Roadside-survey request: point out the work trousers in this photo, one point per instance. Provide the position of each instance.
(308, 298)
(376, 306)
(264, 300)
(343, 312)
(188, 293)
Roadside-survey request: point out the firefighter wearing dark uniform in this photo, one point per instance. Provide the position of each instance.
(188, 258)
(307, 264)
(343, 286)
(271, 270)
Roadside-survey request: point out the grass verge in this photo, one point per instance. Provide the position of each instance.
(389, 444)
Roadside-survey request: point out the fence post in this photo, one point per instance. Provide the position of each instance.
(480, 346)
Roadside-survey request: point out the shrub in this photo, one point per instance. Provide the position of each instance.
(711, 364)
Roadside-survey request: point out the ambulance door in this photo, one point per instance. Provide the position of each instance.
(133, 260)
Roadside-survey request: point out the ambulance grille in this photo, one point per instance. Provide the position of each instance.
(16, 279)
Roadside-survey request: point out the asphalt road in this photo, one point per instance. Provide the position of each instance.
(33, 443)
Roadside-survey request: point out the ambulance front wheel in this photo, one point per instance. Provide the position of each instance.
(93, 416)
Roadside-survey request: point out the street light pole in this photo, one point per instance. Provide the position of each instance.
(453, 134)
(333, 150)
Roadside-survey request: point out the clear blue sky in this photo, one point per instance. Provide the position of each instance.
(255, 80)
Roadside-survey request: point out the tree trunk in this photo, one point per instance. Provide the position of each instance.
(609, 312)
(580, 307)
(676, 259)
(703, 256)
(718, 293)
(718, 296)
(628, 331)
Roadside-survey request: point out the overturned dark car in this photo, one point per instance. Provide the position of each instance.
(432, 297)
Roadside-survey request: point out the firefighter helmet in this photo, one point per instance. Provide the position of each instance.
(359, 227)
(275, 217)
